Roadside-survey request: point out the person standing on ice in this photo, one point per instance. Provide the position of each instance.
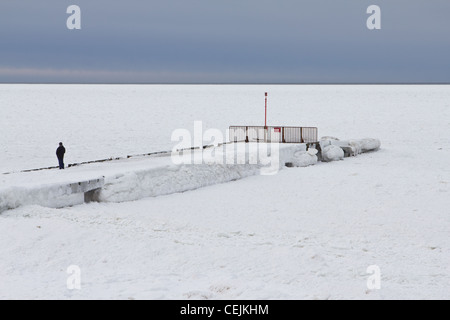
(60, 154)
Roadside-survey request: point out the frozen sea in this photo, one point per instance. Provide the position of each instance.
(305, 233)
(102, 121)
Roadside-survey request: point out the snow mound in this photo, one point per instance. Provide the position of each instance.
(332, 153)
(303, 159)
(298, 156)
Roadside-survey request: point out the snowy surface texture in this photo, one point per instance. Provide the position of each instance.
(304, 233)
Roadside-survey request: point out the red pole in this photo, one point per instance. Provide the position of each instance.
(265, 123)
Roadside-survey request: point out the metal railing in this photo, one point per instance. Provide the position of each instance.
(273, 134)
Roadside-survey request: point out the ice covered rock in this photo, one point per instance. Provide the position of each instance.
(369, 144)
(303, 158)
(352, 147)
(332, 153)
(360, 146)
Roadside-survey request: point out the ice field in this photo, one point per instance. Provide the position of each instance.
(303, 233)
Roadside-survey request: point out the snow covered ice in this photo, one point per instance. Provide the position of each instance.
(304, 233)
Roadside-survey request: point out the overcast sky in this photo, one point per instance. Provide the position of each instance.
(225, 41)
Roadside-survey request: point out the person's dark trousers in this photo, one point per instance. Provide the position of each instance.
(61, 164)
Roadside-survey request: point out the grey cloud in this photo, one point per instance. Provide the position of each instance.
(233, 41)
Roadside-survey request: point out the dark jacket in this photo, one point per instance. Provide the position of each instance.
(60, 152)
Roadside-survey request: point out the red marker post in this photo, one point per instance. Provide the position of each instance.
(265, 122)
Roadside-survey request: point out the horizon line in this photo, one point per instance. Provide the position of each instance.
(229, 83)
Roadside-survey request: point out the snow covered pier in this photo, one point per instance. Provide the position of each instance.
(163, 174)
(87, 188)
(52, 195)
